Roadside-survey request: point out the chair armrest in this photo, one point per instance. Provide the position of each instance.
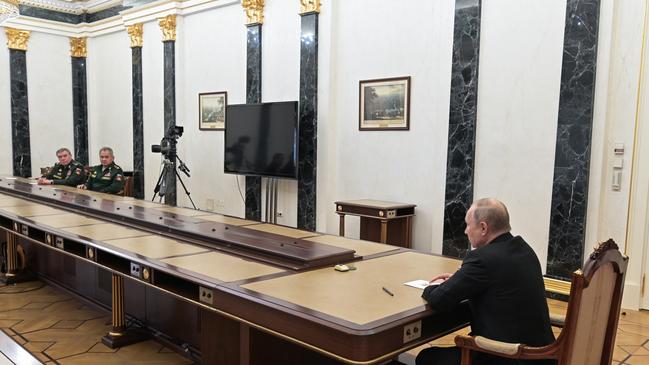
(506, 349)
(483, 344)
(557, 320)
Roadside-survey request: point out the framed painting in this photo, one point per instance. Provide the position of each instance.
(384, 104)
(211, 111)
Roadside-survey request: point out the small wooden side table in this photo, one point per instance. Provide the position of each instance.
(381, 221)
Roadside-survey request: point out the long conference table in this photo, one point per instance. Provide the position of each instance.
(225, 290)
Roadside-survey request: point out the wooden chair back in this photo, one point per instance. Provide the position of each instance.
(128, 186)
(593, 310)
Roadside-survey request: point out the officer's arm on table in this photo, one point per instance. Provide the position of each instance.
(75, 178)
(50, 173)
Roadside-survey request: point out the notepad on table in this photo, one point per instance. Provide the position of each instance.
(419, 284)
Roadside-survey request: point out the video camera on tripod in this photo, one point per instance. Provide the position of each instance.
(167, 147)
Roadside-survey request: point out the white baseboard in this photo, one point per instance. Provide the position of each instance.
(631, 298)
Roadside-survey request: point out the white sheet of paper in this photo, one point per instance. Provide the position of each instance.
(419, 284)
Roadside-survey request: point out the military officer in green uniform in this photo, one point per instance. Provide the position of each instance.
(107, 177)
(66, 172)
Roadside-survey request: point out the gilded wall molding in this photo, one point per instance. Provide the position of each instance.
(168, 27)
(135, 32)
(17, 39)
(78, 47)
(309, 6)
(254, 11)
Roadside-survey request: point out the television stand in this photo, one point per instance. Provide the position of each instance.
(271, 200)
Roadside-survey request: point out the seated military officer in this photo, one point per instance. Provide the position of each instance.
(107, 177)
(66, 172)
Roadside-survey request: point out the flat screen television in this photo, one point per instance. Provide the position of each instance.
(262, 139)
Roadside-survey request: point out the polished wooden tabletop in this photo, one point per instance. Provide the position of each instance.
(156, 247)
(358, 296)
(222, 267)
(361, 247)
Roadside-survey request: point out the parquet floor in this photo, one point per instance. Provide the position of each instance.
(57, 328)
(60, 329)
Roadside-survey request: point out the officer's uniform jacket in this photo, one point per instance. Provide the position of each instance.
(71, 174)
(109, 179)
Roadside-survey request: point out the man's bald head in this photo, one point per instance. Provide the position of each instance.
(492, 211)
(486, 219)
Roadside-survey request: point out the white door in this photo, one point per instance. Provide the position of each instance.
(638, 227)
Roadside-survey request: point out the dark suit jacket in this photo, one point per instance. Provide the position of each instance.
(504, 284)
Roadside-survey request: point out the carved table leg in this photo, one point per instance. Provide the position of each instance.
(119, 336)
(14, 273)
(384, 231)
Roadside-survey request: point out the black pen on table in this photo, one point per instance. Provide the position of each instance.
(387, 291)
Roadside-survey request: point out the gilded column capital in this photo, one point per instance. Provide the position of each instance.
(168, 27)
(309, 6)
(17, 39)
(78, 47)
(135, 32)
(254, 11)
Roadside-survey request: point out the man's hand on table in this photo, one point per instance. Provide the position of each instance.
(440, 278)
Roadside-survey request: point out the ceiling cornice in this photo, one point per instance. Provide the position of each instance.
(141, 14)
(76, 8)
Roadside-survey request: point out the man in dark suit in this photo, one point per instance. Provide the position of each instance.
(502, 279)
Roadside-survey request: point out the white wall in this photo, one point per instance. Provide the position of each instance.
(152, 93)
(49, 85)
(327, 174)
(215, 60)
(49, 78)
(280, 72)
(638, 228)
(109, 98)
(402, 166)
(596, 181)
(6, 163)
(621, 114)
(521, 49)
(621, 98)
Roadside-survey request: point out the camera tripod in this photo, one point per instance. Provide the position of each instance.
(168, 171)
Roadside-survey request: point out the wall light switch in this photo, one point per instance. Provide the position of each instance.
(617, 180)
(618, 163)
(618, 148)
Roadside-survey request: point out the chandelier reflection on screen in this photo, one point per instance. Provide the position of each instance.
(8, 10)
